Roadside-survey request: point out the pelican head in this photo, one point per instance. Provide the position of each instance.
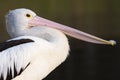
(17, 21)
(22, 21)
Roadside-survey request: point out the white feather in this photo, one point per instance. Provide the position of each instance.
(40, 54)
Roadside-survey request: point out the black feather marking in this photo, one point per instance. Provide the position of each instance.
(9, 44)
(9, 74)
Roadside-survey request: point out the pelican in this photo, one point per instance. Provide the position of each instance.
(37, 45)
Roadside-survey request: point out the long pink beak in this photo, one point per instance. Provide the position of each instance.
(39, 21)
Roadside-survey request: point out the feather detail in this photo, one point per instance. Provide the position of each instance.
(12, 57)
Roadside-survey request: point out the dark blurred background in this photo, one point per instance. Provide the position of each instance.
(86, 61)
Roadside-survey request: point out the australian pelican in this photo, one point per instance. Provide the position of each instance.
(37, 45)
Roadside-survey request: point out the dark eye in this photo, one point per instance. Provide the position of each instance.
(28, 15)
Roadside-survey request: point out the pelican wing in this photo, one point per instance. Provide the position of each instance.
(16, 54)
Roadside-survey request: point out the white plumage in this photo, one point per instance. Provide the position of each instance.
(48, 46)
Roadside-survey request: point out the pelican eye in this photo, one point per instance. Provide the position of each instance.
(28, 15)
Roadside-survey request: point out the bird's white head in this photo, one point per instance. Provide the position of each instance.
(17, 21)
(21, 21)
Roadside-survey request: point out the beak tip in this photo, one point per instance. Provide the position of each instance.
(112, 42)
